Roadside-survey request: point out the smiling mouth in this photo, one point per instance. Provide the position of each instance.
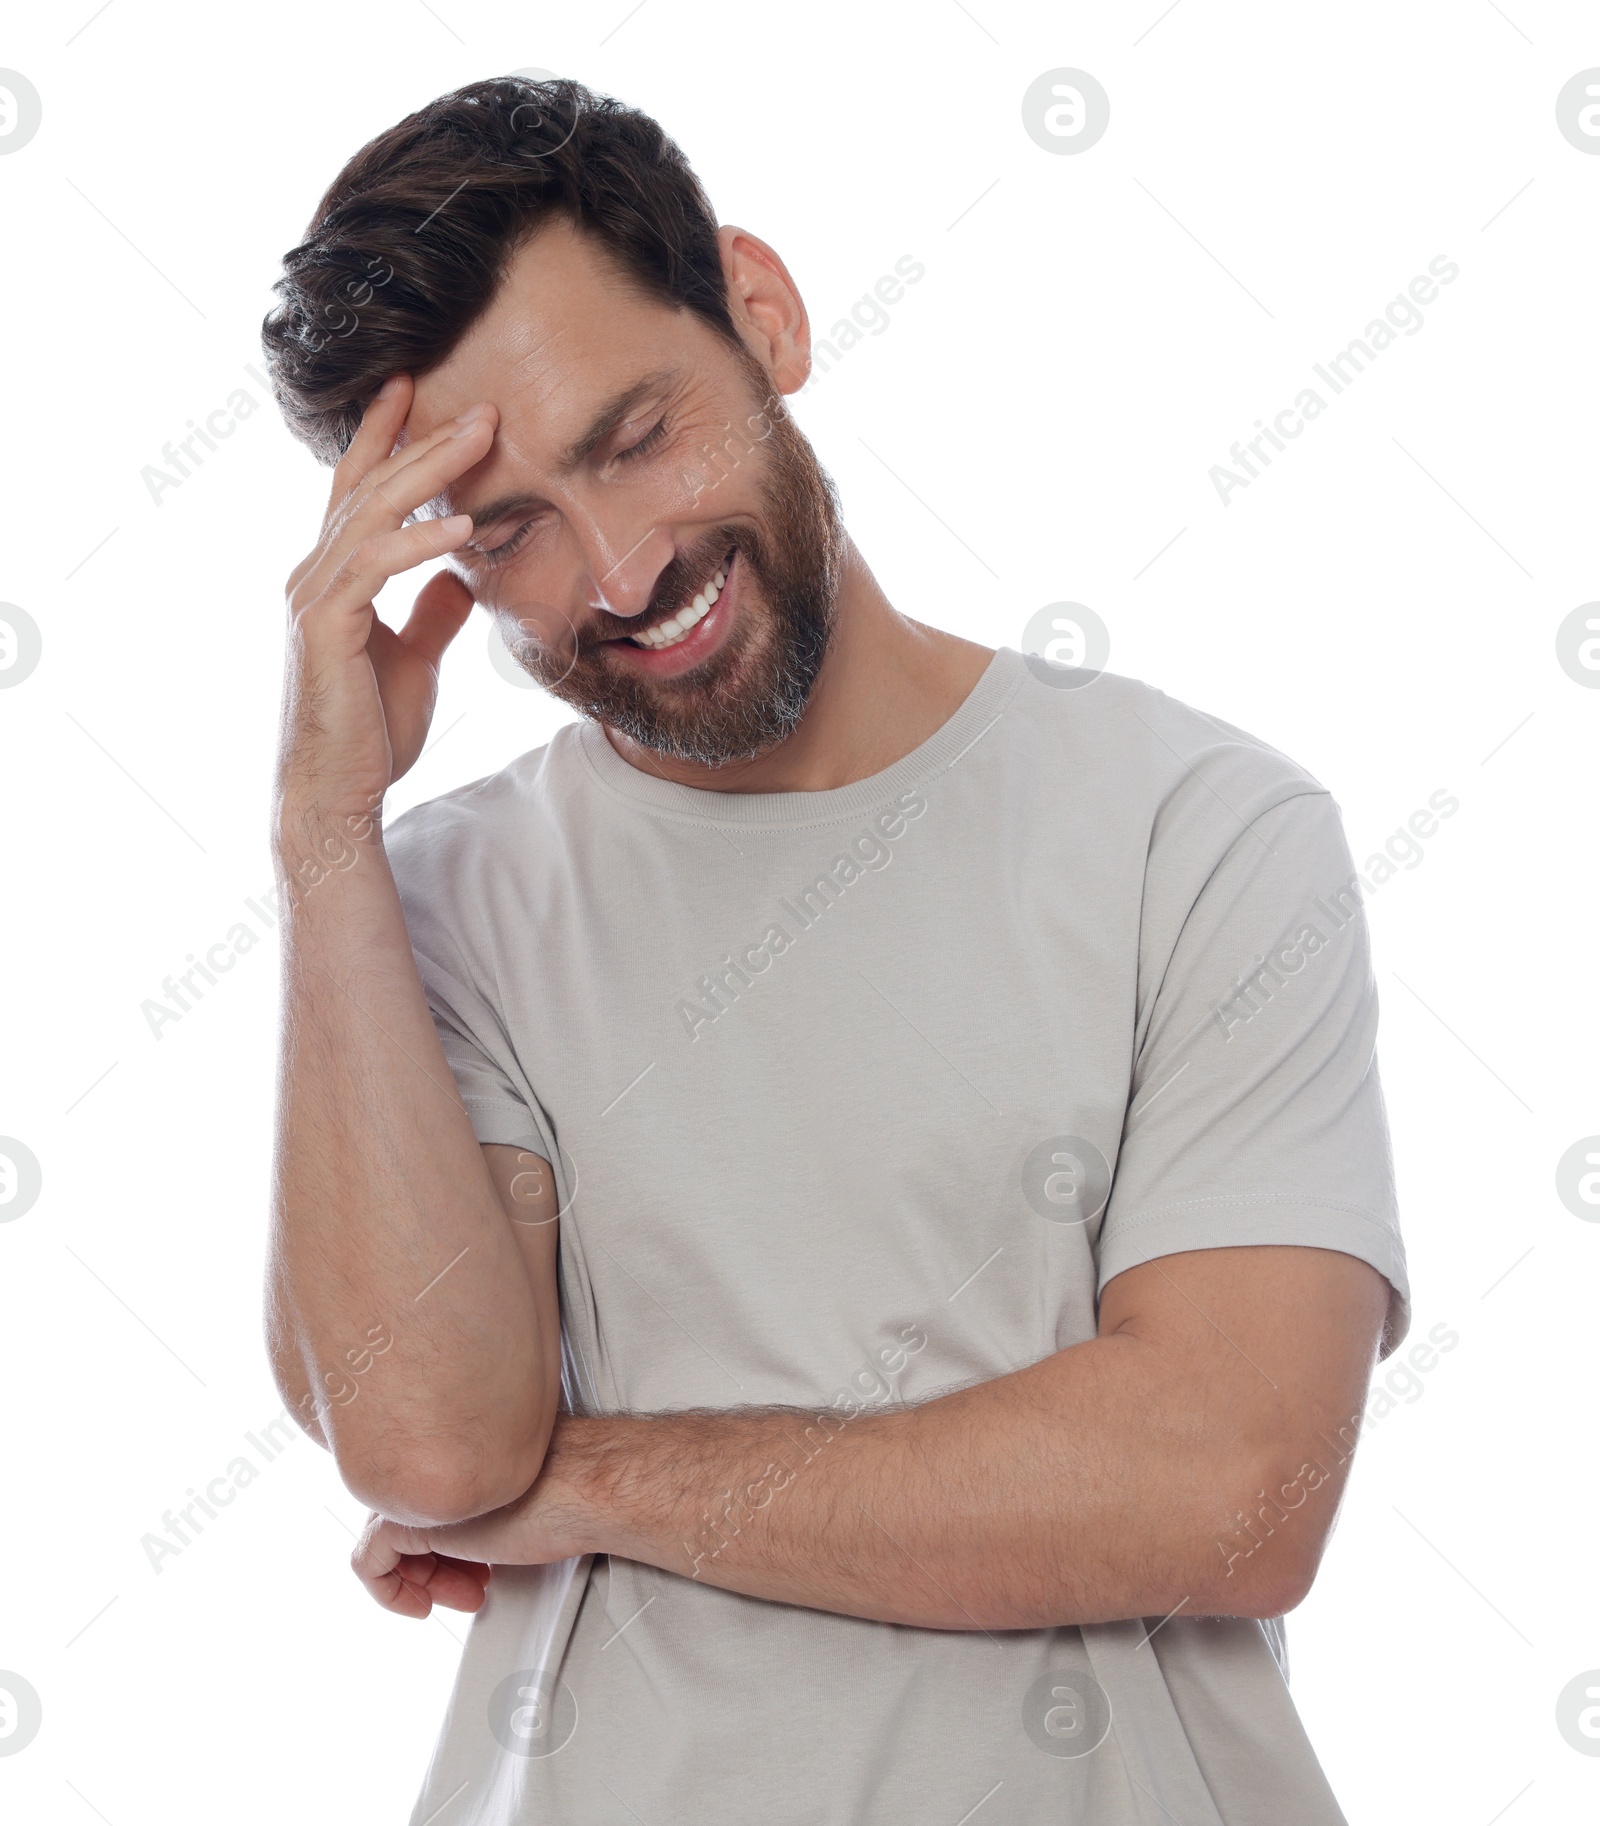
(678, 627)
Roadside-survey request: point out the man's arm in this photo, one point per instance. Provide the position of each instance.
(1191, 1457)
(411, 1318)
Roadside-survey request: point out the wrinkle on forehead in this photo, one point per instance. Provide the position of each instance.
(535, 381)
(522, 385)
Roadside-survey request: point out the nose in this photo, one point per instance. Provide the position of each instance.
(623, 564)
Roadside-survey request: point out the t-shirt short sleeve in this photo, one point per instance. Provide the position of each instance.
(427, 851)
(1256, 1115)
(470, 1036)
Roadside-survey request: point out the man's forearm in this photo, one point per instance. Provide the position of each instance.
(401, 1318)
(1078, 1490)
(1191, 1457)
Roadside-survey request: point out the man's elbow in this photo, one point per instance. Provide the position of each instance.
(1277, 1585)
(1259, 1570)
(425, 1488)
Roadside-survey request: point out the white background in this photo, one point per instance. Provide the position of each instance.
(1036, 424)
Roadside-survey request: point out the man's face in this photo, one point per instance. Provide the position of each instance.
(651, 530)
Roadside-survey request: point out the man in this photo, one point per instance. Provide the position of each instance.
(916, 1103)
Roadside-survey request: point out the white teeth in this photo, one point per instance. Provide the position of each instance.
(669, 633)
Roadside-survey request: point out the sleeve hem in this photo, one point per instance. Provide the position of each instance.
(1253, 1219)
(498, 1121)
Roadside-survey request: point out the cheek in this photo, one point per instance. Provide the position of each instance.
(536, 626)
(725, 457)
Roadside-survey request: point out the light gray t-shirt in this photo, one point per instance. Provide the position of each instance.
(855, 1097)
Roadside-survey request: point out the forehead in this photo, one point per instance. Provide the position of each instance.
(566, 327)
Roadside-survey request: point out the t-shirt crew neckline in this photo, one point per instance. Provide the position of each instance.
(982, 705)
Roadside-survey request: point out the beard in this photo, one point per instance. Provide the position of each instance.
(751, 693)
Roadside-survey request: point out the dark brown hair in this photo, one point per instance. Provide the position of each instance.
(410, 242)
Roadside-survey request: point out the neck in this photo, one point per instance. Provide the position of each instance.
(887, 683)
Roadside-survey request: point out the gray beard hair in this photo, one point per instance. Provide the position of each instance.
(746, 728)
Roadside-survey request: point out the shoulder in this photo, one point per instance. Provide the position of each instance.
(438, 846)
(1124, 749)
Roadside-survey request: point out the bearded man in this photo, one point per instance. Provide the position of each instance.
(842, 1204)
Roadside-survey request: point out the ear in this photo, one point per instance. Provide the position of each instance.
(767, 308)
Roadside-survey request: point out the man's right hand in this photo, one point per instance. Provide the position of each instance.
(380, 1186)
(358, 697)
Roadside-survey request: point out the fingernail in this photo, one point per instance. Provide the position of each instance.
(469, 420)
(390, 387)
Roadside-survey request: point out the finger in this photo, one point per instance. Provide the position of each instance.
(411, 477)
(374, 440)
(348, 591)
(438, 616)
(404, 1598)
(458, 1584)
(385, 501)
(394, 1591)
(395, 1577)
(375, 435)
(379, 1550)
(383, 1548)
(421, 1580)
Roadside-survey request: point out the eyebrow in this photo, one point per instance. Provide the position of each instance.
(600, 427)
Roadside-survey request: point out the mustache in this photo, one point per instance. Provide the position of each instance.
(675, 587)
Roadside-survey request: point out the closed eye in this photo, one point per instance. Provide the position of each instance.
(498, 554)
(645, 444)
(507, 548)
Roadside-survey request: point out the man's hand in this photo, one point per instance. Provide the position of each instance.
(409, 1570)
(358, 697)
(410, 1580)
